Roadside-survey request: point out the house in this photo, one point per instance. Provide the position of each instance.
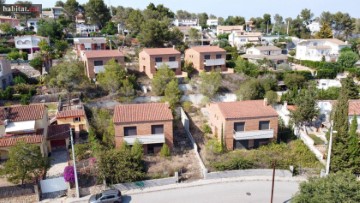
(58, 136)
(14, 22)
(85, 30)
(227, 29)
(243, 124)
(72, 113)
(185, 22)
(271, 53)
(89, 43)
(212, 22)
(151, 59)
(54, 13)
(32, 24)
(319, 49)
(95, 61)
(23, 123)
(327, 83)
(185, 30)
(206, 58)
(6, 77)
(151, 124)
(29, 44)
(240, 39)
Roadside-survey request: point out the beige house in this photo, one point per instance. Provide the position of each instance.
(89, 43)
(271, 53)
(245, 124)
(227, 29)
(23, 123)
(151, 124)
(96, 60)
(151, 59)
(206, 58)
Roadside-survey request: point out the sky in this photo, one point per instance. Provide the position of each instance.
(245, 8)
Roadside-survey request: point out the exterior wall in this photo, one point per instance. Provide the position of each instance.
(144, 128)
(6, 78)
(303, 51)
(198, 59)
(89, 64)
(81, 47)
(147, 63)
(76, 125)
(217, 122)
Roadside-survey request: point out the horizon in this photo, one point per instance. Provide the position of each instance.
(255, 8)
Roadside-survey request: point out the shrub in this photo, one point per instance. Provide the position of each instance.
(187, 105)
(234, 163)
(19, 80)
(206, 129)
(292, 52)
(69, 174)
(165, 151)
(82, 151)
(25, 99)
(214, 146)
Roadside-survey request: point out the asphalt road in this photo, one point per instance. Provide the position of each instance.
(231, 192)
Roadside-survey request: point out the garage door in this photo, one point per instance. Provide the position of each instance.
(58, 144)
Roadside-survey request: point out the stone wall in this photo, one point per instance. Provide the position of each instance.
(18, 194)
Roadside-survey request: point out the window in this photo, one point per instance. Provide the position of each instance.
(98, 46)
(172, 58)
(264, 125)
(158, 59)
(130, 131)
(240, 126)
(206, 57)
(116, 61)
(218, 56)
(77, 119)
(98, 63)
(157, 129)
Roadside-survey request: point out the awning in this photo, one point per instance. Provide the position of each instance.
(22, 126)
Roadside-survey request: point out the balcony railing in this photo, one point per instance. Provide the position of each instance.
(99, 69)
(145, 139)
(214, 62)
(171, 64)
(254, 134)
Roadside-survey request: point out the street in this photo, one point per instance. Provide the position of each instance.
(245, 191)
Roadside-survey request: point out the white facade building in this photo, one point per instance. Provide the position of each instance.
(316, 49)
(327, 83)
(84, 29)
(272, 53)
(239, 39)
(212, 22)
(29, 44)
(185, 22)
(33, 24)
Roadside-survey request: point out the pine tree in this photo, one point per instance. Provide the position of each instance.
(353, 146)
(350, 87)
(137, 150)
(325, 31)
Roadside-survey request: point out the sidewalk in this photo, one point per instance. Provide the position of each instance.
(196, 184)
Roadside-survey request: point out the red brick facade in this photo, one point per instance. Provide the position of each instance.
(197, 58)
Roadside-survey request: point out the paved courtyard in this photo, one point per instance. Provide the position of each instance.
(59, 160)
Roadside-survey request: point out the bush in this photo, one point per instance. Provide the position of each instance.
(19, 80)
(69, 174)
(187, 105)
(235, 163)
(206, 129)
(214, 146)
(25, 99)
(82, 151)
(292, 52)
(165, 151)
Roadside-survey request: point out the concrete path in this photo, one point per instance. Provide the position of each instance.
(59, 160)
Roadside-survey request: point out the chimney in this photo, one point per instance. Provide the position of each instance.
(266, 102)
(173, 46)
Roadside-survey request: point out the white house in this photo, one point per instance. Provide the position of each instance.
(316, 49)
(54, 13)
(212, 22)
(85, 30)
(239, 39)
(29, 44)
(227, 29)
(33, 24)
(314, 27)
(272, 53)
(185, 22)
(325, 84)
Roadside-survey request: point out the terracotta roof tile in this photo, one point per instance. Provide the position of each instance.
(28, 138)
(22, 113)
(70, 113)
(160, 51)
(131, 113)
(207, 49)
(266, 48)
(354, 107)
(246, 109)
(58, 132)
(103, 53)
(90, 40)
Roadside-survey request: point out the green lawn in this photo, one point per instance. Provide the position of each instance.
(317, 140)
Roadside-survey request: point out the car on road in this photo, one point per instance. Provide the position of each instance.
(107, 196)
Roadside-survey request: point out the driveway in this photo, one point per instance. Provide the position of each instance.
(59, 160)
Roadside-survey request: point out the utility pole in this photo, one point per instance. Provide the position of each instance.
(329, 150)
(75, 173)
(287, 29)
(273, 182)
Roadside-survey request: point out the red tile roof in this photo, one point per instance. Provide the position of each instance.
(70, 113)
(207, 49)
(161, 51)
(103, 54)
(354, 107)
(246, 109)
(22, 113)
(148, 112)
(28, 138)
(56, 132)
(291, 107)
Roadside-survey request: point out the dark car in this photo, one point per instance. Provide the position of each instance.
(107, 196)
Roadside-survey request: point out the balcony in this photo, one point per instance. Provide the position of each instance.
(214, 62)
(255, 134)
(145, 139)
(99, 69)
(171, 64)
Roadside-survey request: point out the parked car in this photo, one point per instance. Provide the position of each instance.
(107, 196)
